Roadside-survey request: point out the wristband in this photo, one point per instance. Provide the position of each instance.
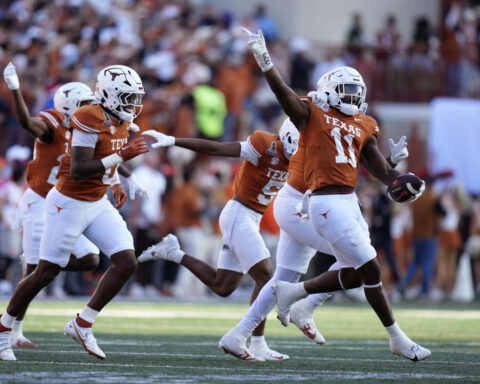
(115, 179)
(111, 160)
(264, 61)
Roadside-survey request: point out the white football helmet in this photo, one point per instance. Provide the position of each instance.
(69, 96)
(346, 90)
(289, 136)
(120, 89)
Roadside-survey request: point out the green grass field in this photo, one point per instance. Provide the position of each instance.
(177, 343)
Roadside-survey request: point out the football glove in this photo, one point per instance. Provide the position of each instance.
(304, 215)
(416, 194)
(398, 151)
(256, 43)
(135, 186)
(133, 148)
(133, 127)
(10, 76)
(162, 139)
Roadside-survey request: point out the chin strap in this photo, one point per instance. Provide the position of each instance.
(348, 109)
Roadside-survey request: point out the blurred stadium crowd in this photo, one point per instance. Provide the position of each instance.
(200, 82)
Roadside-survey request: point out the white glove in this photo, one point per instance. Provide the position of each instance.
(162, 139)
(257, 45)
(303, 211)
(319, 99)
(10, 76)
(417, 193)
(398, 151)
(133, 127)
(134, 186)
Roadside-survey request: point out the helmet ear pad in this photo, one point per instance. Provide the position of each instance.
(333, 99)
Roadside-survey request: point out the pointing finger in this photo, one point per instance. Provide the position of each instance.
(247, 31)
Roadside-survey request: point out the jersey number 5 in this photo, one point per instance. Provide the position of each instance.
(268, 191)
(341, 157)
(52, 177)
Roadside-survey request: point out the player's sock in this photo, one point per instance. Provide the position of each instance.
(258, 342)
(298, 290)
(315, 300)
(17, 338)
(395, 331)
(17, 327)
(6, 322)
(89, 315)
(260, 308)
(260, 349)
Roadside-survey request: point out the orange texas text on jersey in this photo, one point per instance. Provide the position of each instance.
(256, 185)
(111, 137)
(42, 170)
(333, 143)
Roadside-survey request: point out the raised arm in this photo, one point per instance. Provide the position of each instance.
(37, 127)
(376, 163)
(208, 147)
(297, 110)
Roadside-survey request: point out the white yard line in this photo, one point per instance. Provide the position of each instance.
(196, 355)
(143, 314)
(284, 342)
(219, 314)
(255, 366)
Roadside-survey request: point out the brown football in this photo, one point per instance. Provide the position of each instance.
(404, 188)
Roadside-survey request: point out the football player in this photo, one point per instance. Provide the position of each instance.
(262, 174)
(293, 256)
(53, 132)
(78, 205)
(336, 139)
(298, 243)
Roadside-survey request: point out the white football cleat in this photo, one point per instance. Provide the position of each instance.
(267, 354)
(405, 347)
(303, 319)
(18, 340)
(6, 352)
(83, 336)
(236, 345)
(167, 249)
(286, 294)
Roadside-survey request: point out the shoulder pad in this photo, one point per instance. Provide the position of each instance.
(91, 119)
(52, 117)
